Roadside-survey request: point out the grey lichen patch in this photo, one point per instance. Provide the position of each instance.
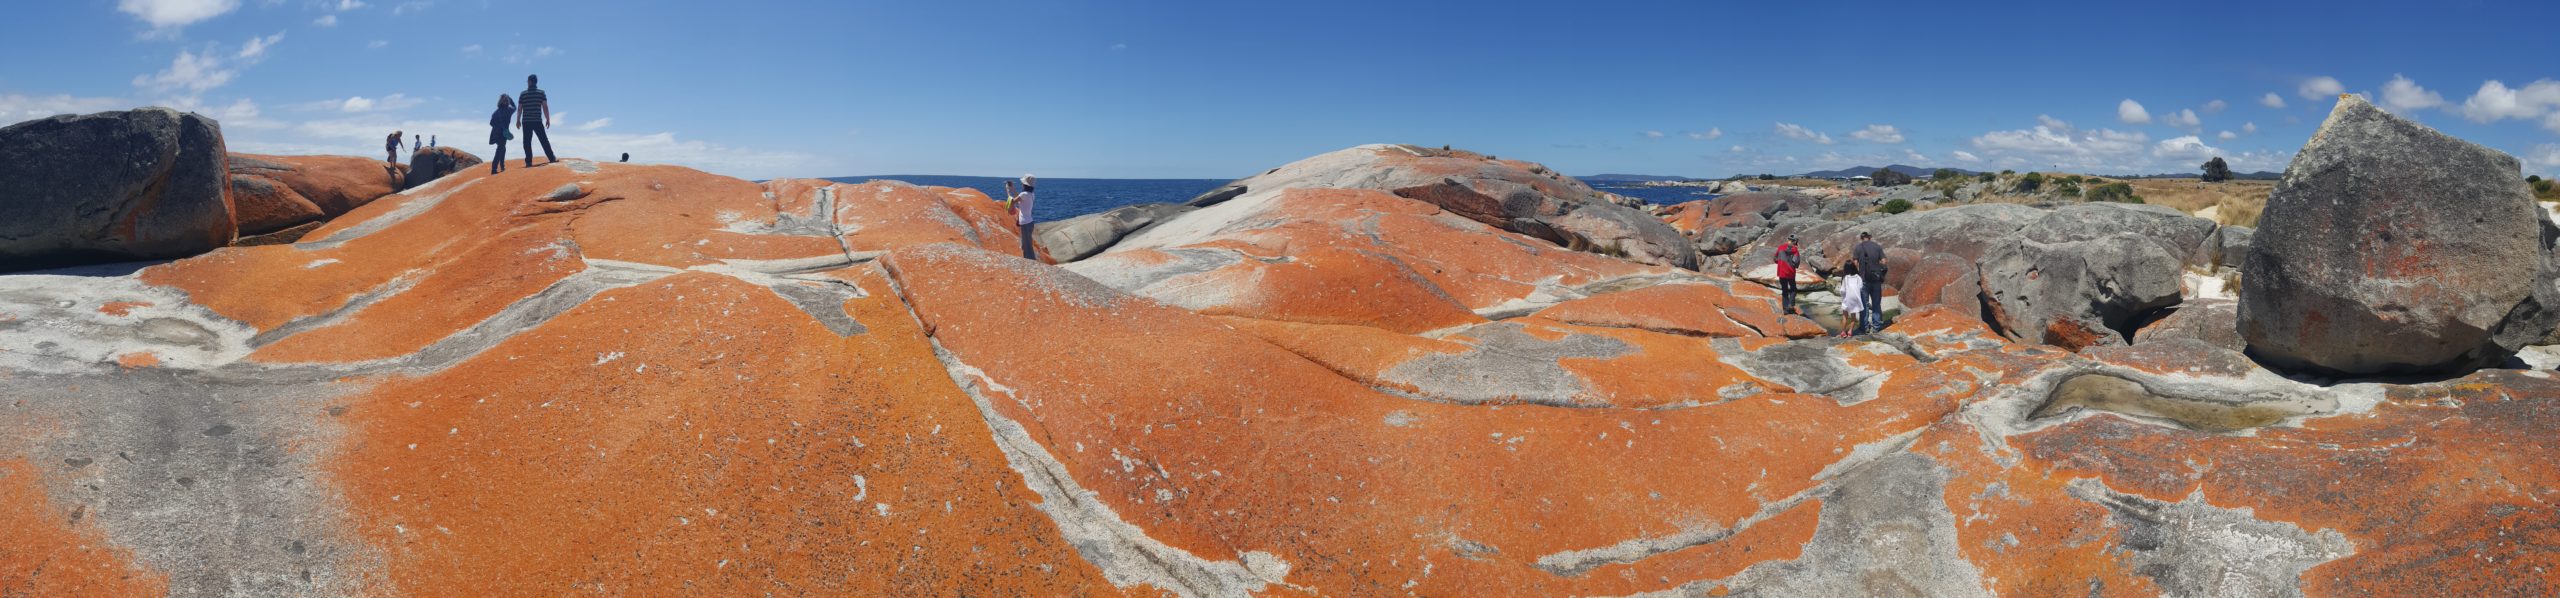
(433, 196)
(1812, 366)
(63, 324)
(824, 301)
(1885, 531)
(1508, 365)
(2191, 548)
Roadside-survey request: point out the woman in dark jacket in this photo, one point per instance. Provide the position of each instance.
(498, 134)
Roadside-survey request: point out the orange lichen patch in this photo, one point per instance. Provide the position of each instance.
(678, 217)
(1690, 218)
(1685, 309)
(444, 300)
(1325, 285)
(1218, 443)
(138, 359)
(1778, 539)
(50, 551)
(883, 215)
(121, 308)
(2029, 535)
(334, 184)
(1357, 352)
(695, 435)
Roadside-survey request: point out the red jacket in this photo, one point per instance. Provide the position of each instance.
(1787, 258)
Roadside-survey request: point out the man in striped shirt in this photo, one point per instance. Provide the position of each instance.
(535, 107)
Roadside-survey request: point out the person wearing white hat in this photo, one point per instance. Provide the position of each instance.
(1020, 205)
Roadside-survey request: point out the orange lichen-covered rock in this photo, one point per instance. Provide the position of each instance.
(270, 193)
(53, 552)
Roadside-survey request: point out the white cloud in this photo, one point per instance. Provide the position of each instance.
(1879, 134)
(2546, 156)
(256, 48)
(412, 6)
(2187, 148)
(519, 55)
(1709, 135)
(1799, 133)
(377, 44)
(1914, 157)
(1736, 149)
(2318, 88)
(1119, 46)
(360, 104)
(2184, 119)
(2050, 122)
(1653, 134)
(2053, 142)
(2402, 94)
(1965, 156)
(2249, 128)
(471, 50)
(2131, 112)
(167, 16)
(16, 107)
(2227, 136)
(2215, 106)
(347, 5)
(325, 21)
(2496, 101)
(2272, 100)
(594, 125)
(356, 104)
(191, 72)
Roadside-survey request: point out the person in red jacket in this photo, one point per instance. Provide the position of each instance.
(1787, 258)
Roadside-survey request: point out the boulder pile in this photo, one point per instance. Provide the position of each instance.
(113, 186)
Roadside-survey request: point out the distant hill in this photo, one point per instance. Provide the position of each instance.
(1633, 178)
(1915, 172)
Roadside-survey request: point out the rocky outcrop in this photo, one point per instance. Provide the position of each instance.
(2214, 322)
(613, 378)
(273, 193)
(2077, 294)
(112, 186)
(1731, 223)
(1944, 279)
(1082, 236)
(1967, 232)
(1517, 196)
(434, 163)
(2392, 248)
(2190, 239)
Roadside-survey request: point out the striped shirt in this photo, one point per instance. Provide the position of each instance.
(532, 104)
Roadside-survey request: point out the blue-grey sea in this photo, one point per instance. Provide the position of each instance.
(1069, 198)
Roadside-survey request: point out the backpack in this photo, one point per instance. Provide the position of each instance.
(1789, 256)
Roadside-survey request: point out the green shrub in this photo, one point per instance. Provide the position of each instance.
(1946, 174)
(2030, 183)
(2114, 192)
(1986, 177)
(1897, 206)
(2068, 187)
(2533, 178)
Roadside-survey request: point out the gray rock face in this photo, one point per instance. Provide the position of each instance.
(1216, 196)
(2230, 245)
(433, 163)
(2178, 234)
(2214, 322)
(112, 186)
(1509, 194)
(1082, 236)
(2391, 248)
(1968, 232)
(2077, 294)
(1726, 240)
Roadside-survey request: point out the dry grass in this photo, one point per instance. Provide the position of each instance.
(2231, 202)
(1792, 183)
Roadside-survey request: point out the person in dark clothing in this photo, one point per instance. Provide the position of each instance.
(498, 134)
(1870, 258)
(626, 156)
(391, 148)
(1788, 257)
(417, 142)
(535, 107)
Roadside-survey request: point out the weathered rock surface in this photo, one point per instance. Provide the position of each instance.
(2214, 322)
(2392, 248)
(434, 163)
(112, 186)
(2077, 294)
(1082, 236)
(1966, 232)
(2190, 239)
(1509, 194)
(272, 193)
(610, 378)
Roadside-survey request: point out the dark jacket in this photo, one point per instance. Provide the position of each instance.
(498, 121)
(1870, 258)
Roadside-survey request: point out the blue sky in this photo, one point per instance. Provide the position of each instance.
(1225, 89)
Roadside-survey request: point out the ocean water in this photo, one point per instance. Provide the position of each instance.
(1068, 198)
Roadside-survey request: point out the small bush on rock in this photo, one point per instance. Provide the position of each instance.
(1897, 206)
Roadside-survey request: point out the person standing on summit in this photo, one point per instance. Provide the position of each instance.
(1020, 205)
(391, 148)
(1870, 258)
(535, 107)
(498, 135)
(1787, 258)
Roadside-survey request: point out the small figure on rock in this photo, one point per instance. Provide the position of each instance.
(391, 148)
(431, 141)
(1870, 258)
(498, 133)
(417, 142)
(535, 106)
(1020, 205)
(626, 156)
(1787, 258)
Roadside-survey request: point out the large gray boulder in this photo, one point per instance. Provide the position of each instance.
(1967, 232)
(2213, 322)
(112, 186)
(2391, 248)
(2189, 238)
(434, 163)
(2077, 294)
(1511, 195)
(1082, 236)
